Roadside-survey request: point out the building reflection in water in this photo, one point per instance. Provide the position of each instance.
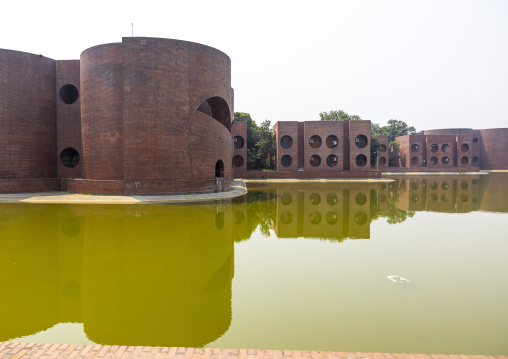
(134, 275)
(162, 275)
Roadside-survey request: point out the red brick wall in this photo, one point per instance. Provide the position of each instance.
(239, 128)
(357, 128)
(68, 122)
(494, 148)
(287, 128)
(323, 129)
(29, 185)
(27, 116)
(464, 150)
(440, 140)
(383, 164)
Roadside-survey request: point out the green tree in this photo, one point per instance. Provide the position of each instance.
(338, 115)
(252, 138)
(266, 145)
(393, 129)
(396, 128)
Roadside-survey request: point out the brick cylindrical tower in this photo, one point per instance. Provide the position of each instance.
(28, 118)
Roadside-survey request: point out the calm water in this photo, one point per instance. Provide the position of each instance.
(284, 267)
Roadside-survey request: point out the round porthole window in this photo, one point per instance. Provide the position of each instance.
(69, 157)
(69, 94)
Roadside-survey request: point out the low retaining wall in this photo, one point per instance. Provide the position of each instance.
(431, 169)
(304, 174)
(30, 185)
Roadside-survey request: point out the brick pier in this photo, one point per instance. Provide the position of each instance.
(10, 350)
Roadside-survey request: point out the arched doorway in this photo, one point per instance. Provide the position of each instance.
(219, 169)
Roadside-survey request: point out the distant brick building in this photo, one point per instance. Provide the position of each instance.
(144, 115)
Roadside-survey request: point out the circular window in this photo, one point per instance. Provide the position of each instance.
(331, 199)
(433, 160)
(315, 141)
(332, 218)
(414, 198)
(315, 217)
(475, 181)
(332, 141)
(361, 141)
(415, 161)
(445, 160)
(382, 161)
(237, 161)
(69, 157)
(69, 94)
(464, 160)
(434, 148)
(361, 160)
(286, 141)
(286, 199)
(433, 198)
(361, 199)
(464, 198)
(475, 139)
(475, 159)
(433, 185)
(286, 217)
(415, 148)
(382, 149)
(360, 218)
(445, 198)
(445, 148)
(315, 199)
(238, 142)
(286, 160)
(331, 160)
(445, 185)
(315, 161)
(464, 185)
(464, 147)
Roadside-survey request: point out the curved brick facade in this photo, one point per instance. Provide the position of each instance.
(494, 148)
(27, 116)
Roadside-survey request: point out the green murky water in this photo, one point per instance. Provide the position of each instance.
(284, 267)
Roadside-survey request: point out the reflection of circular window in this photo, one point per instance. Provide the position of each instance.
(361, 160)
(433, 185)
(332, 218)
(433, 160)
(464, 185)
(464, 160)
(315, 199)
(286, 199)
(69, 157)
(434, 148)
(415, 161)
(315, 217)
(445, 160)
(415, 148)
(414, 198)
(332, 141)
(475, 140)
(286, 217)
(361, 199)
(464, 198)
(444, 198)
(414, 186)
(361, 141)
(382, 161)
(238, 142)
(433, 198)
(360, 218)
(331, 199)
(237, 161)
(475, 181)
(315, 141)
(331, 161)
(315, 160)
(286, 160)
(286, 141)
(69, 94)
(475, 159)
(464, 147)
(382, 149)
(445, 148)
(445, 185)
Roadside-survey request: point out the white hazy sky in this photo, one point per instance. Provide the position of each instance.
(432, 64)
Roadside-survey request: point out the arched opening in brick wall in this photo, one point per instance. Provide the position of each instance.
(445, 148)
(69, 157)
(219, 169)
(464, 147)
(217, 108)
(68, 94)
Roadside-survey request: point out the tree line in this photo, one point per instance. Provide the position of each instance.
(261, 141)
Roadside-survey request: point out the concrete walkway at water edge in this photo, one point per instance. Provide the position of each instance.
(9, 350)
